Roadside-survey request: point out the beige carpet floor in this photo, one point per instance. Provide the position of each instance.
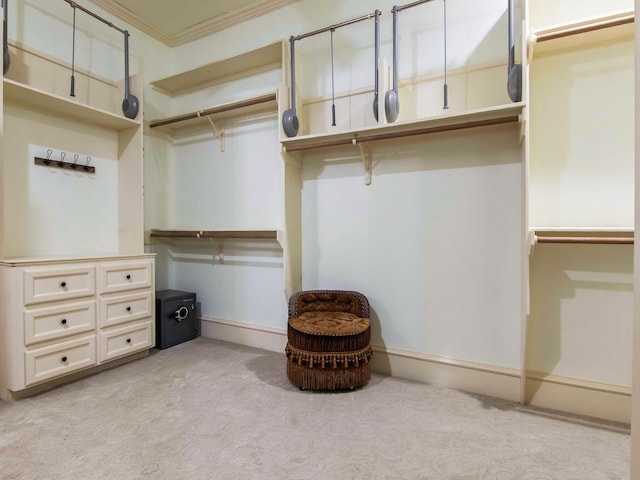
(211, 410)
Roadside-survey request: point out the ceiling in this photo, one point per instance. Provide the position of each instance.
(177, 22)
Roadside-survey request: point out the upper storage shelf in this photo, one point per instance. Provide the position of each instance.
(256, 61)
(54, 104)
(585, 33)
(503, 114)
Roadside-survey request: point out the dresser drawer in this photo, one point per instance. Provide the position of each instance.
(47, 285)
(59, 359)
(117, 277)
(48, 323)
(126, 308)
(125, 340)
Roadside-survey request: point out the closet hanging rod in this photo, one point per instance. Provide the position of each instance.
(587, 240)
(401, 134)
(246, 234)
(94, 15)
(271, 97)
(399, 8)
(334, 27)
(590, 27)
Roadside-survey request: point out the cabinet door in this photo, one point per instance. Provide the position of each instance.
(59, 283)
(48, 323)
(126, 340)
(126, 308)
(121, 276)
(59, 359)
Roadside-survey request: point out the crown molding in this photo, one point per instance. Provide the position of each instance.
(200, 30)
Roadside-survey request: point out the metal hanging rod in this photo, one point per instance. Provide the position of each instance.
(588, 240)
(94, 15)
(399, 8)
(271, 97)
(614, 22)
(333, 27)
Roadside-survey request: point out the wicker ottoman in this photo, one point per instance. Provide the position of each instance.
(329, 335)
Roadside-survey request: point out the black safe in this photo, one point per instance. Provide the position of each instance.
(176, 319)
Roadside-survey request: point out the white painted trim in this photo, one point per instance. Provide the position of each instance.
(462, 375)
(582, 397)
(470, 377)
(203, 28)
(251, 335)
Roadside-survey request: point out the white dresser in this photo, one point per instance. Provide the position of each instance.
(58, 317)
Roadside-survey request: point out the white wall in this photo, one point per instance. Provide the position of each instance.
(434, 242)
(582, 312)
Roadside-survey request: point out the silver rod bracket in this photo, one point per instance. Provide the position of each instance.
(366, 160)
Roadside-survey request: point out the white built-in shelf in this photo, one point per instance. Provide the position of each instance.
(259, 105)
(256, 61)
(42, 101)
(586, 33)
(498, 115)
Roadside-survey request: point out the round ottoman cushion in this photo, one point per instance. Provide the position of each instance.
(329, 332)
(329, 323)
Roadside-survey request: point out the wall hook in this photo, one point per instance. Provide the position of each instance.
(50, 162)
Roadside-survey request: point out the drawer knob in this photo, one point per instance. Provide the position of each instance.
(128, 277)
(128, 309)
(63, 359)
(63, 284)
(63, 321)
(128, 340)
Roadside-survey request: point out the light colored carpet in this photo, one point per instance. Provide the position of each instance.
(212, 410)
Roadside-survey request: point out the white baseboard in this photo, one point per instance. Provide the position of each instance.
(582, 397)
(258, 336)
(467, 376)
(461, 375)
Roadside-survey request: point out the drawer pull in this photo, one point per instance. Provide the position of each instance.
(63, 359)
(128, 277)
(128, 340)
(63, 284)
(63, 321)
(128, 309)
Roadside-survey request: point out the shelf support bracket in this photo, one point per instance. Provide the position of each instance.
(366, 161)
(219, 134)
(218, 250)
